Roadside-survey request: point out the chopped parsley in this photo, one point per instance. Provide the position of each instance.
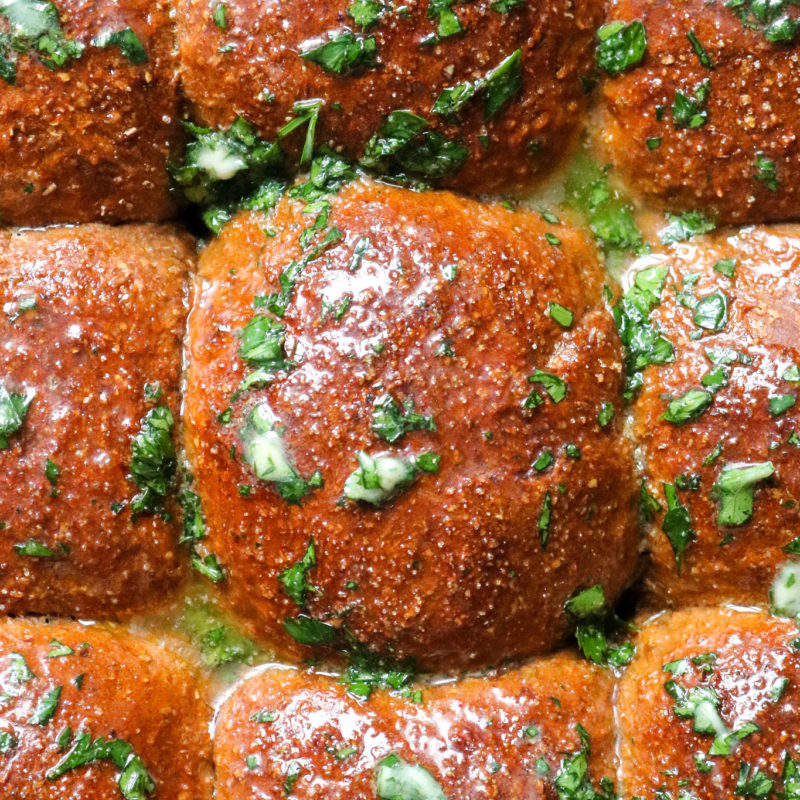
(726, 266)
(765, 172)
(752, 782)
(734, 490)
(596, 622)
(294, 579)
(220, 16)
(391, 422)
(681, 227)
(128, 43)
(34, 26)
(781, 403)
(711, 312)
(365, 13)
(153, 461)
(402, 147)
(644, 344)
(266, 453)
(699, 50)
(33, 548)
(606, 414)
(608, 213)
(677, 525)
(343, 53)
(379, 478)
(261, 344)
(770, 18)
(498, 86)
(543, 523)
(689, 406)
(621, 46)
(13, 411)
(690, 111)
(555, 387)
(396, 779)
(228, 169)
(134, 781)
(46, 707)
(219, 641)
(448, 23)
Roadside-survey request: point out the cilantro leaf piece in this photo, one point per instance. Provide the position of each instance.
(555, 387)
(543, 523)
(128, 43)
(402, 146)
(784, 592)
(608, 213)
(498, 86)
(690, 111)
(752, 782)
(563, 316)
(501, 84)
(621, 46)
(448, 22)
(684, 226)
(134, 781)
(643, 342)
(596, 622)
(781, 403)
(734, 490)
(711, 312)
(46, 707)
(310, 631)
(266, 453)
(13, 411)
(379, 478)
(677, 525)
(365, 13)
(227, 169)
(219, 641)
(153, 461)
(261, 343)
(689, 406)
(765, 172)
(390, 422)
(700, 51)
(294, 579)
(34, 26)
(396, 779)
(194, 524)
(32, 548)
(344, 52)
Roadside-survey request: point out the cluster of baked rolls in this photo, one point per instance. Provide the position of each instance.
(415, 346)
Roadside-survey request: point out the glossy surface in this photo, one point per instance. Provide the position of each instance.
(448, 570)
(752, 109)
(501, 736)
(108, 319)
(132, 689)
(227, 72)
(727, 562)
(754, 655)
(90, 141)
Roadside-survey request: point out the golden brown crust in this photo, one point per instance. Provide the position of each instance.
(449, 570)
(109, 318)
(224, 73)
(470, 734)
(90, 141)
(133, 689)
(752, 109)
(726, 563)
(753, 654)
